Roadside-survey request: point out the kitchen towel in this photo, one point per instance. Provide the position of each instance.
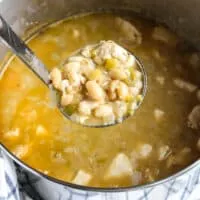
(184, 187)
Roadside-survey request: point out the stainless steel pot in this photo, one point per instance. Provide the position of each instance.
(181, 16)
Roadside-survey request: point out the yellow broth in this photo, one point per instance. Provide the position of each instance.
(63, 147)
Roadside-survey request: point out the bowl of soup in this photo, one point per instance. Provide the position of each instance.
(158, 143)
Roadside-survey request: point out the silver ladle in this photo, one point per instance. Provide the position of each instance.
(24, 53)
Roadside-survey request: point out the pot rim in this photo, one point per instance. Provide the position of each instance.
(72, 185)
(97, 189)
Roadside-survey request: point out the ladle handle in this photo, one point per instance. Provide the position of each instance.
(21, 50)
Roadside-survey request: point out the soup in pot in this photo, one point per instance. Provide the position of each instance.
(161, 138)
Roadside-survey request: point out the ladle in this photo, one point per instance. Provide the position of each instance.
(24, 53)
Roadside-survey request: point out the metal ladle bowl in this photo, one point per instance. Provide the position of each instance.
(25, 54)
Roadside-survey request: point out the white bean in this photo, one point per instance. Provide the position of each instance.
(66, 99)
(123, 91)
(114, 85)
(118, 74)
(132, 107)
(138, 74)
(87, 69)
(79, 118)
(72, 67)
(138, 85)
(85, 107)
(74, 78)
(86, 52)
(119, 108)
(134, 91)
(64, 85)
(56, 78)
(95, 91)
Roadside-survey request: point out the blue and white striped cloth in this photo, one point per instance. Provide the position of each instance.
(185, 187)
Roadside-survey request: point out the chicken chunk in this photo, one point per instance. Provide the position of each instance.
(129, 30)
(79, 118)
(82, 178)
(108, 50)
(160, 80)
(120, 166)
(14, 133)
(104, 111)
(57, 157)
(21, 151)
(164, 152)
(158, 114)
(187, 86)
(41, 130)
(145, 150)
(194, 118)
(122, 91)
(163, 35)
(180, 158)
(137, 177)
